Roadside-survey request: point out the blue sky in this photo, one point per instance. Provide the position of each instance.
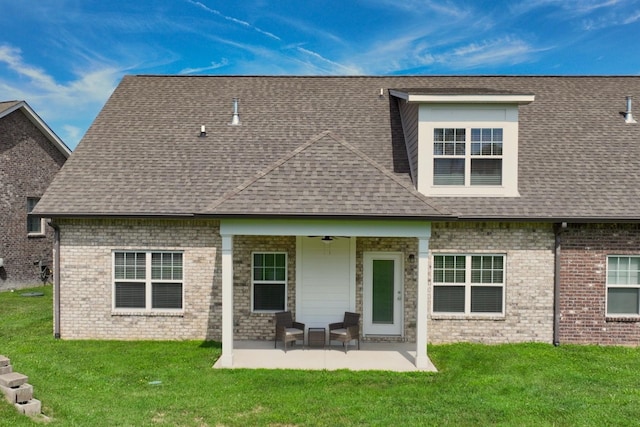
(65, 57)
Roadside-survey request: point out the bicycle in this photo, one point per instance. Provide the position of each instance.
(45, 272)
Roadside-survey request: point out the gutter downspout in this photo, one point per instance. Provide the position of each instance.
(557, 231)
(56, 280)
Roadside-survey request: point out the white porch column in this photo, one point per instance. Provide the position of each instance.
(422, 360)
(226, 359)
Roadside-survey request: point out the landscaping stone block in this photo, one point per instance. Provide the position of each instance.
(31, 407)
(13, 379)
(4, 361)
(20, 394)
(6, 369)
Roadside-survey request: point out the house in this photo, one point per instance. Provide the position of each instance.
(489, 209)
(30, 156)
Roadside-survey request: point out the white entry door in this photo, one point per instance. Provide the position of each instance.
(325, 280)
(383, 293)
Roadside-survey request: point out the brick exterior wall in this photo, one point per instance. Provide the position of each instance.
(28, 164)
(529, 250)
(86, 286)
(258, 326)
(583, 278)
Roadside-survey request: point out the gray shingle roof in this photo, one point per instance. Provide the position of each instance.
(333, 146)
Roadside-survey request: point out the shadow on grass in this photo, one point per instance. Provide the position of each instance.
(211, 344)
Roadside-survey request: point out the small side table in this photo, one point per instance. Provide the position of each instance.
(317, 337)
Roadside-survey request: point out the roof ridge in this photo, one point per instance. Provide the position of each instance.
(293, 153)
(264, 172)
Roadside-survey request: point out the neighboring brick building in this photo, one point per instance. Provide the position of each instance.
(587, 249)
(489, 209)
(30, 156)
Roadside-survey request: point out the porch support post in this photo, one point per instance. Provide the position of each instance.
(226, 359)
(422, 360)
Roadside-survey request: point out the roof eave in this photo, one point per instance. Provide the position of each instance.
(519, 99)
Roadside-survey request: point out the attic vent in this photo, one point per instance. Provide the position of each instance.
(628, 117)
(235, 119)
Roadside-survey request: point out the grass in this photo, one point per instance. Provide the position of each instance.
(107, 383)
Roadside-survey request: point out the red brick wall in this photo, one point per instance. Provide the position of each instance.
(584, 252)
(28, 163)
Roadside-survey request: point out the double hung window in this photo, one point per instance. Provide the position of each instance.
(468, 284)
(623, 285)
(269, 281)
(148, 280)
(467, 156)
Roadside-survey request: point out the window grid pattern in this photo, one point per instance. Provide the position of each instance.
(269, 281)
(148, 280)
(623, 285)
(468, 284)
(454, 164)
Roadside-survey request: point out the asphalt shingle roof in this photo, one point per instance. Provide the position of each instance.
(334, 146)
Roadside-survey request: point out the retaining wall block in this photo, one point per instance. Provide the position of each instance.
(20, 394)
(31, 407)
(13, 379)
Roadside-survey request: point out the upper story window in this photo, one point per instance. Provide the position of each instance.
(467, 156)
(462, 141)
(34, 225)
(623, 286)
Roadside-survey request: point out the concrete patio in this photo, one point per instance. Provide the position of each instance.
(397, 357)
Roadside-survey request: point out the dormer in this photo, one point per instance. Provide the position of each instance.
(462, 142)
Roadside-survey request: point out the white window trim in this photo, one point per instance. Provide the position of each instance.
(468, 116)
(267, 282)
(468, 314)
(148, 281)
(43, 224)
(608, 286)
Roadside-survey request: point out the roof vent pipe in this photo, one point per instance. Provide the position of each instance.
(235, 120)
(628, 117)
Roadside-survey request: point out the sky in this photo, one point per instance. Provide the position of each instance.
(65, 57)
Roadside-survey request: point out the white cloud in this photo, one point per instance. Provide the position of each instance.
(58, 103)
(71, 133)
(335, 67)
(493, 52)
(213, 66)
(234, 20)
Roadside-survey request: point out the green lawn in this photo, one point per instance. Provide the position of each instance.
(114, 383)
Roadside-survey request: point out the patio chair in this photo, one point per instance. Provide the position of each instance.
(347, 330)
(287, 329)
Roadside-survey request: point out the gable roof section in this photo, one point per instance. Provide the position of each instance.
(325, 176)
(142, 156)
(9, 107)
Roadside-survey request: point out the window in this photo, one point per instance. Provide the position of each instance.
(148, 280)
(623, 285)
(468, 284)
(467, 156)
(34, 224)
(269, 281)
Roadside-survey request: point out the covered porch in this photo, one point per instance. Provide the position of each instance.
(316, 272)
(395, 357)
